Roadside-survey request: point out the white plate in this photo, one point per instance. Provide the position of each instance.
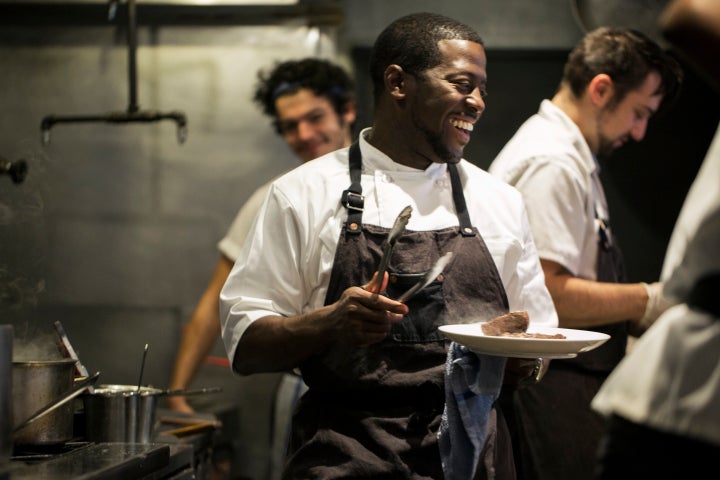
(575, 341)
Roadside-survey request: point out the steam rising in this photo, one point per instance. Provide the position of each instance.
(40, 348)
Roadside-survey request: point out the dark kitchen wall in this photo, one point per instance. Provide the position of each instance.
(114, 230)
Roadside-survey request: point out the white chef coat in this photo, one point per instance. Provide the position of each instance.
(671, 379)
(285, 265)
(550, 162)
(232, 242)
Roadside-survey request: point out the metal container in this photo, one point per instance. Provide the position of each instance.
(34, 385)
(6, 420)
(120, 413)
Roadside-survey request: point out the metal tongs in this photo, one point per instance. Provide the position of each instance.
(431, 275)
(396, 232)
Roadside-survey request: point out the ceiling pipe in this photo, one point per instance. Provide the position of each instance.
(133, 114)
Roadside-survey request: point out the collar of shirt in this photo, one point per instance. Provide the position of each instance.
(551, 112)
(374, 159)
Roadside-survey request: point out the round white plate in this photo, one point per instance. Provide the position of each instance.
(575, 341)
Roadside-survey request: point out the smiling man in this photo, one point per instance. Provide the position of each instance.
(300, 295)
(613, 82)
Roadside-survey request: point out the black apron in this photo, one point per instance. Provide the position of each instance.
(554, 415)
(374, 412)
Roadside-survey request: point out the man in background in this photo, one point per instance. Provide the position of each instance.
(312, 105)
(613, 81)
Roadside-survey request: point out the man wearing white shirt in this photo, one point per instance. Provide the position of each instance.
(302, 294)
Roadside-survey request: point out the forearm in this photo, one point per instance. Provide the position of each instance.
(276, 343)
(202, 331)
(200, 335)
(585, 303)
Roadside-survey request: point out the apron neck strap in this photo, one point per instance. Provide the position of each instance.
(352, 198)
(354, 201)
(460, 206)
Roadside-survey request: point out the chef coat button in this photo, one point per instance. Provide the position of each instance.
(387, 178)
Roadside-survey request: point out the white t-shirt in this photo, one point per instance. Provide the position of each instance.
(549, 161)
(231, 244)
(671, 379)
(285, 265)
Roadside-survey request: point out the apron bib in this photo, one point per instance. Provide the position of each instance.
(374, 412)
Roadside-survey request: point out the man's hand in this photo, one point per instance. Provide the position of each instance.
(362, 317)
(656, 305)
(522, 372)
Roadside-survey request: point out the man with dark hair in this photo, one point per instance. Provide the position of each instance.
(298, 84)
(312, 104)
(613, 82)
(305, 292)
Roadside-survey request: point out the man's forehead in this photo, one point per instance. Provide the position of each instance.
(300, 102)
(462, 56)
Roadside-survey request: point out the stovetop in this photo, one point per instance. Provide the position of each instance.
(178, 456)
(100, 461)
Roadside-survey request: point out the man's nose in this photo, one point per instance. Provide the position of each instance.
(476, 101)
(638, 130)
(305, 129)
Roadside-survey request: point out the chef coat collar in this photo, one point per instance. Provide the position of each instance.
(553, 113)
(374, 159)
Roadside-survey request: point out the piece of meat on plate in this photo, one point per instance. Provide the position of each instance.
(513, 322)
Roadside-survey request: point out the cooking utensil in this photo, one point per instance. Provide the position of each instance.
(120, 413)
(428, 278)
(190, 429)
(142, 367)
(36, 383)
(63, 399)
(396, 232)
(69, 351)
(184, 391)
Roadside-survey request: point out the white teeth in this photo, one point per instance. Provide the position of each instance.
(464, 125)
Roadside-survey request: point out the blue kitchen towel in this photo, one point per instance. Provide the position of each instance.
(472, 384)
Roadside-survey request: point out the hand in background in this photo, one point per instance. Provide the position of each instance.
(656, 305)
(179, 404)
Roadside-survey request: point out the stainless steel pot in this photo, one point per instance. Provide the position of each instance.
(120, 413)
(36, 384)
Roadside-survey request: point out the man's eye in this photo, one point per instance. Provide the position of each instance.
(316, 118)
(465, 87)
(285, 127)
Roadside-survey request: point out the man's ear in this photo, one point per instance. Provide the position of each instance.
(395, 78)
(601, 89)
(349, 114)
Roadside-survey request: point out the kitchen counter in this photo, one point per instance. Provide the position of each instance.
(181, 450)
(105, 461)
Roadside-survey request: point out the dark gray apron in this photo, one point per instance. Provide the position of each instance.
(554, 415)
(374, 412)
